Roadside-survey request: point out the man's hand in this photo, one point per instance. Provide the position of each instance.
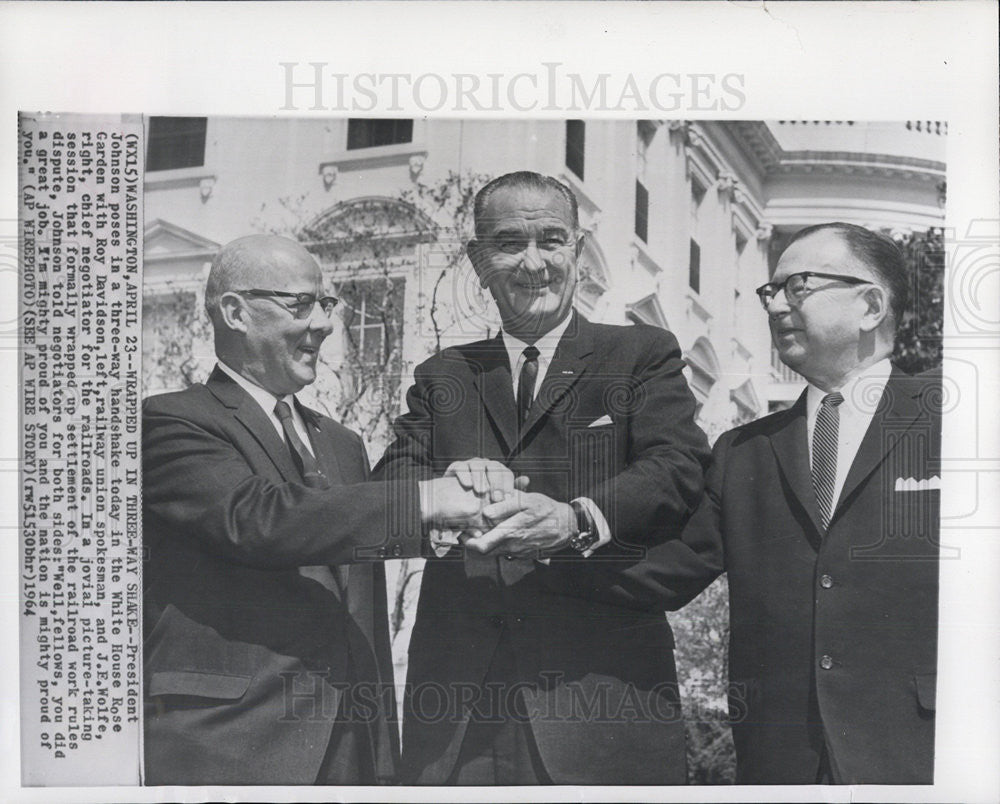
(445, 505)
(486, 478)
(531, 524)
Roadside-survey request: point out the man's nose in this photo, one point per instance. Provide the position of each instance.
(778, 305)
(319, 321)
(531, 257)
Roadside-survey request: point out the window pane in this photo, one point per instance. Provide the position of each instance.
(372, 133)
(372, 312)
(694, 267)
(575, 139)
(641, 211)
(176, 142)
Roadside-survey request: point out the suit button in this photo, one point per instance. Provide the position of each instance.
(497, 621)
(381, 552)
(397, 550)
(508, 556)
(519, 620)
(826, 581)
(826, 662)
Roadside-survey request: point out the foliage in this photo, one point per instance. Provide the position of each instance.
(919, 337)
(175, 329)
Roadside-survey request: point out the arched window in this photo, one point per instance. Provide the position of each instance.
(368, 248)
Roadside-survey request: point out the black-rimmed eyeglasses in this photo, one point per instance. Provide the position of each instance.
(303, 305)
(796, 286)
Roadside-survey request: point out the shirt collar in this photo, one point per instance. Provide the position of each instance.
(264, 398)
(546, 344)
(861, 392)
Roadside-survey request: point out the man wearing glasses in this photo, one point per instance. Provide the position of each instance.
(828, 514)
(266, 656)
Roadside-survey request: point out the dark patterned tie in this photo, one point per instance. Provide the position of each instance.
(313, 477)
(824, 454)
(526, 385)
(304, 461)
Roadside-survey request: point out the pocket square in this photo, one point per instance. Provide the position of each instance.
(912, 484)
(600, 422)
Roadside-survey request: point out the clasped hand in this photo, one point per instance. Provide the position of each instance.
(481, 504)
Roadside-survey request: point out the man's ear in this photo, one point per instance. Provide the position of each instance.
(234, 312)
(876, 300)
(581, 239)
(474, 250)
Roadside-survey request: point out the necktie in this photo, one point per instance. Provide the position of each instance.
(312, 476)
(526, 384)
(304, 461)
(824, 454)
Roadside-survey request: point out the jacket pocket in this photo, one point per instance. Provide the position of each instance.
(198, 684)
(926, 684)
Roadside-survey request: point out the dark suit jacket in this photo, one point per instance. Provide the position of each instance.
(864, 596)
(243, 654)
(598, 680)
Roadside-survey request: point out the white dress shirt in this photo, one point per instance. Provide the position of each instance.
(546, 346)
(267, 401)
(861, 397)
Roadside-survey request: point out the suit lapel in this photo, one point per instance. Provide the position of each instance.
(897, 406)
(496, 390)
(248, 413)
(568, 365)
(791, 448)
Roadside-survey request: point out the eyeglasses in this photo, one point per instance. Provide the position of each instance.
(796, 286)
(303, 305)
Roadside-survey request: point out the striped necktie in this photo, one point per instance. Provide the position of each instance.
(303, 459)
(312, 476)
(824, 454)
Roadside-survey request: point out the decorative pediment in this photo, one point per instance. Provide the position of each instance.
(593, 267)
(702, 357)
(167, 241)
(174, 256)
(647, 311)
(746, 399)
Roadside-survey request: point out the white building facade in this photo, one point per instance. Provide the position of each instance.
(684, 220)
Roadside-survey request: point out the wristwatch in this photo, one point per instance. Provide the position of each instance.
(587, 535)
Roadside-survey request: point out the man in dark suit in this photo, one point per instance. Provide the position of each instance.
(829, 515)
(517, 675)
(266, 657)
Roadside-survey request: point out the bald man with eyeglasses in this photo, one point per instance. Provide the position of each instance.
(266, 652)
(828, 514)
